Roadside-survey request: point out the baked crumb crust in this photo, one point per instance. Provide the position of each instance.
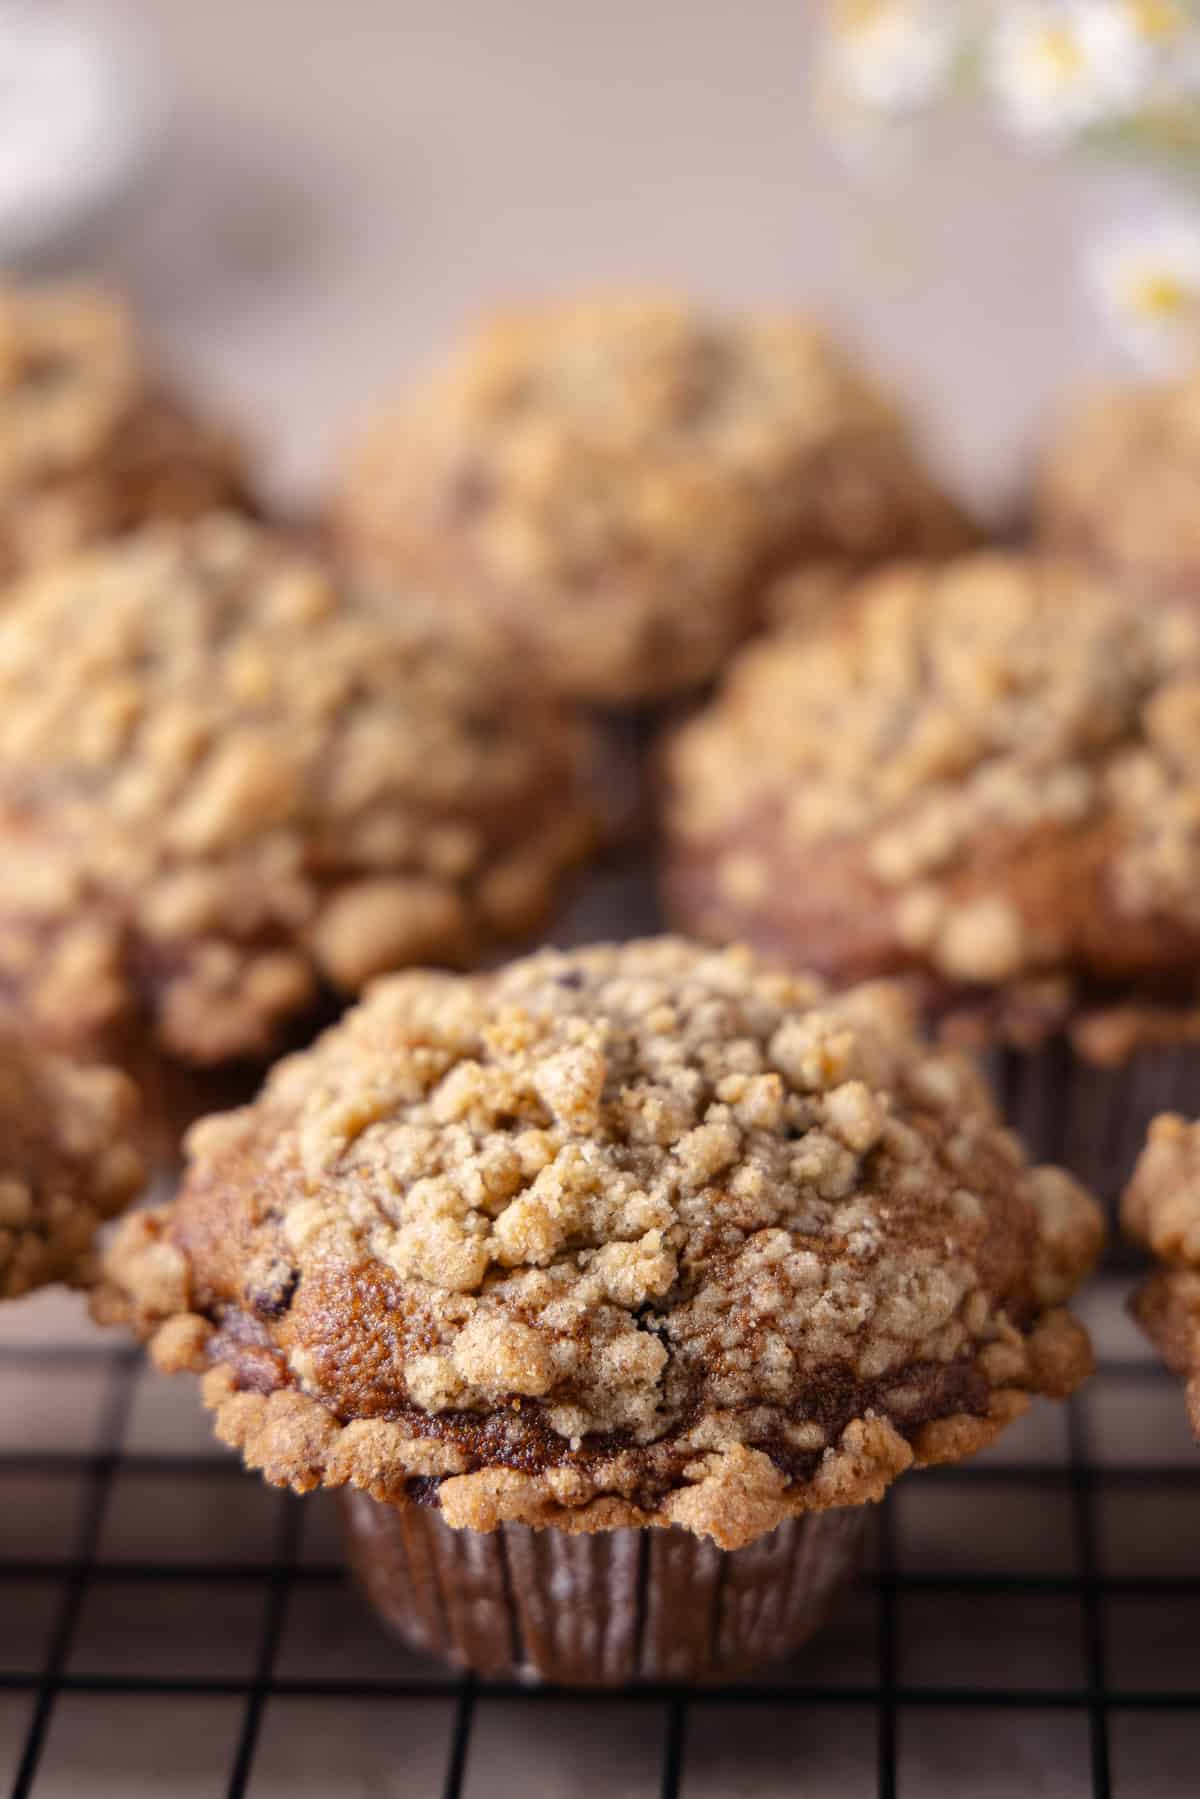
(983, 776)
(68, 1161)
(227, 781)
(91, 441)
(610, 476)
(1161, 1208)
(644, 1234)
(1120, 485)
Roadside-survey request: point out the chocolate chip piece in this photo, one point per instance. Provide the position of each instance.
(271, 1296)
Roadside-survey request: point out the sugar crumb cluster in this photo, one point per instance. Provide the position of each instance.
(69, 1159)
(229, 780)
(1000, 757)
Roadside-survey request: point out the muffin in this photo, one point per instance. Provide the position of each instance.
(233, 789)
(612, 1284)
(1161, 1208)
(92, 441)
(1120, 486)
(984, 779)
(613, 478)
(68, 1161)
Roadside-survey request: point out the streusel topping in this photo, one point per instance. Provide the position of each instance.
(645, 1227)
(1161, 1205)
(1122, 485)
(999, 759)
(1161, 1208)
(226, 780)
(68, 1161)
(91, 443)
(610, 475)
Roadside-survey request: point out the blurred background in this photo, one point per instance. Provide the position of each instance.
(322, 191)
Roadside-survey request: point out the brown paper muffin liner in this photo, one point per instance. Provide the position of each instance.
(1092, 1121)
(600, 1610)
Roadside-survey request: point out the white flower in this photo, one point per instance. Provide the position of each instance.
(1058, 66)
(1160, 23)
(890, 55)
(1173, 31)
(865, 138)
(1148, 283)
(1166, 36)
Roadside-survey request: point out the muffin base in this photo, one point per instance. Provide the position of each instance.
(599, 1610)
(1090, 1120)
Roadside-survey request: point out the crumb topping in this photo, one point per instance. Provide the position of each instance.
(990, 771)
(611, 474)
(1161, 1208)
(226, 780)
(90, 442)
(1122, 484)
(1161, 1205)
(1167, 1307)
(67, 1162)
(646, 1226)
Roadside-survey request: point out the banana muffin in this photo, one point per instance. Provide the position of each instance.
(232, 788)
(648, 1248)
(1161, 1208)
(1120, 486)
(614, 477)
(93, 441)
(984, 778)
(68, 1161)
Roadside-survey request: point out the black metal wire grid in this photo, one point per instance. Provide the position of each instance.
(1085, 1615)
(1030, 1623)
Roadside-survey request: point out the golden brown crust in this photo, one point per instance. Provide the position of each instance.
(612, 476)
(227, 782)
(91, 443)
(67, 1162)
(983, 777)
(1120, 485)
(644, 1234)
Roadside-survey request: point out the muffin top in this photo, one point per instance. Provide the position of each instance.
(70, 372)
(1161, 1208)
(984, 776)
(67, 1161)
(227, 782)
(1121, 485)
(91, 442)
(610, 476)
(645, 1234)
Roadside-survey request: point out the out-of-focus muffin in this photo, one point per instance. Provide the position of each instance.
(68, 1161)
(232, 788)
(93, 440)
(627, 1240)
(1120, 487)
(614, 478)
(985, 778)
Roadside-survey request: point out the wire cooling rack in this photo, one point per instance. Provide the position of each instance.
(1029, 1623)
